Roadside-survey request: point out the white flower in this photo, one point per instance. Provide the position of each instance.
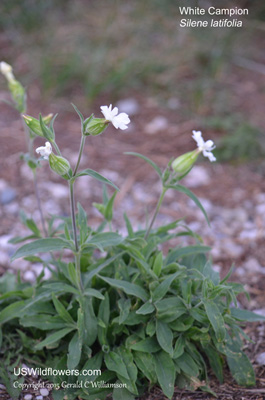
(204, 147)
(45, 151)
(118, 120)
(7, 71)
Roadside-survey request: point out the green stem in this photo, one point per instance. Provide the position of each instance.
(80, 154)
(56, 148)
(72, 207)
(39, 203)
(161, 198)
(77, 253)
(30, 141)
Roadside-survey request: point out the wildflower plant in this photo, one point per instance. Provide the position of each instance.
(141, 317)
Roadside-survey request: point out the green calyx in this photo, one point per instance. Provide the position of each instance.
(35, 126)
(19, 95)
(182, 164)
(60, 165)
(94, 126)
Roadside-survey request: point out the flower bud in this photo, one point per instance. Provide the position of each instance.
(182, 164)
(59, 165)
(94, 126)
(7, 71)
(34, 124)
(19, 95)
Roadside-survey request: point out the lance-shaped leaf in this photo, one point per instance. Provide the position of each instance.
(127, 287)
(164, 337)
(216, 319)
(103, 240)
(166, 373)
(95, 175)
(192, 196)
(53, 338)
(41, 246)
(150, 162)
(74, 351)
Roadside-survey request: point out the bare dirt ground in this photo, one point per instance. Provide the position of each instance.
(233, 195)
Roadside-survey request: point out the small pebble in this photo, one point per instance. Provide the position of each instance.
(28, 397)
(44, 392)
(261, 358)
(7, 195)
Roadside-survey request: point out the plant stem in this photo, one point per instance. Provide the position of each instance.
(72, 206)
(37, 194)
(77, 254)
(161, 198)
(80, 154)
(56, 148)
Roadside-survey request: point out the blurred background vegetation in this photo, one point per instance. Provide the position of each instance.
(115, 48)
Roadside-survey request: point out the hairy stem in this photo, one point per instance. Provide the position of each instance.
(56, 148)
(30, 141)
(161, 198)
(77, 253)
(37, 194)
(80, 154)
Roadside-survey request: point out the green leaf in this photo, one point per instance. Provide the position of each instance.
(58, 287)
(90, 322)
(43, 322)
(132, 371)
(165, 371)
(11, 311)
(192, 196)
(96, 175)
(115, 363)
(163, 288)
(63, 313)
(74, 352)
(240, 366)
(186, 363)
(98, 269)
(179, 347)
(150, 162)
(216, 319)
(79, 113)
(177, 254)
(53, 338)
(93, 293)
(170, 309)
(147, 308)
(82, 222)
(120, 393)
(33, 227)
(127, 287)
(41, 246)
(103, 315)
(109, 207)
(124, 306)
(215, 361)
(148, 345)
(164, 337)
(145, 363)
(103, 240)
(158, 263)
(246, 315)
(128, 226)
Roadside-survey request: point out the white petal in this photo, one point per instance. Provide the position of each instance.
(209, 155)
(45, 151)
(197, 136)
(209, 145)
